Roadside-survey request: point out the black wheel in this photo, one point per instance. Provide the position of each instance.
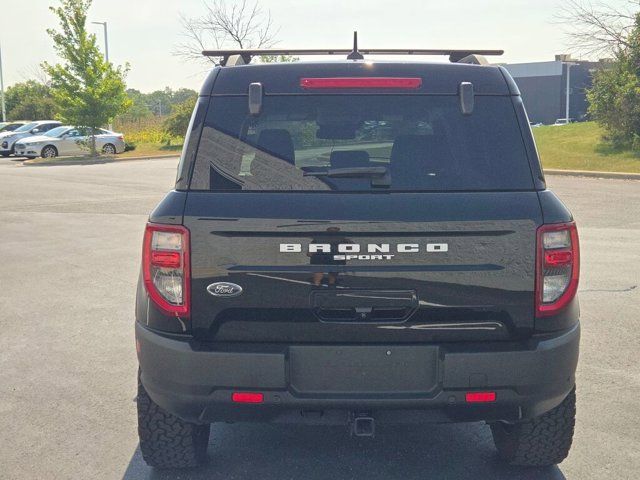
(542, 441)
(5, 154)
(109, 149)
(167, 441)
(49, 152)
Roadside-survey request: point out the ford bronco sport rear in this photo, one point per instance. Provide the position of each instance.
(359, 243)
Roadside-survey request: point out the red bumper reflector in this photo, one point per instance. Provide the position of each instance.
(247, 397)
(361, 82)
(480, 397)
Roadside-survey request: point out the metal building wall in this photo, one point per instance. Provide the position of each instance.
(543, 86)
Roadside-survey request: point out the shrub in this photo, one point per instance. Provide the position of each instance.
(177, 123)
(614, 99)
(145, 130)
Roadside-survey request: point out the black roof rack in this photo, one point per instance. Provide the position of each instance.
(243, 56)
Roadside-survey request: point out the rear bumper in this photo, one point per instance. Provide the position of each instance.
(120, 146)
(319, 384)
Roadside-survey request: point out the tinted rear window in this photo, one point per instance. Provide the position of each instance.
(424, 143)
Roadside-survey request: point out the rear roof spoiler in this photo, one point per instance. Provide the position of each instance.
(244, 56)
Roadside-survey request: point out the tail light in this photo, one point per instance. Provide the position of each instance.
(166, 267)
(557, 267)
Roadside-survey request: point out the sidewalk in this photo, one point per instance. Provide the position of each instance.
(593, 174)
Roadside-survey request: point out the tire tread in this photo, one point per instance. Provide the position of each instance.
(541, 441)
(166, 441)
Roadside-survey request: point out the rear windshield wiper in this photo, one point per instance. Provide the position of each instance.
(379, 175)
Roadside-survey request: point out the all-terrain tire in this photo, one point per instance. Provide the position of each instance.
(541, 441)
(167, 441)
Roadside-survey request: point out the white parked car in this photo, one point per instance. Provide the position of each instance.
(68, 140)
(563, 121)
(8, 139)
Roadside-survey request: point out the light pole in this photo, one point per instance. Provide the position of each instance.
(106, 40)
(106, 49)
(4, 111)
(568, 93)
(159, 105)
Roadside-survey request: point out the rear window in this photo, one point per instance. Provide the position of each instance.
(361, 142)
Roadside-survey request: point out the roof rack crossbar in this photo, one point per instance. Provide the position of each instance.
(354, 53)
(453, 54)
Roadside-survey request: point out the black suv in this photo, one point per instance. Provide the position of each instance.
(357, 243)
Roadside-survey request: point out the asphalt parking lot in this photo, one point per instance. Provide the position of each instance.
(70, 241)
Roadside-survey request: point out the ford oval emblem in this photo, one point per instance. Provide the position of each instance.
(224, 289)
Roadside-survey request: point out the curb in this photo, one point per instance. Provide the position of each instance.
(148, 157)
(90, 161)
(592, 174)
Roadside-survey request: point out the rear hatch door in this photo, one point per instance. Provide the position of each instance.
(362, 218)
(459, 266)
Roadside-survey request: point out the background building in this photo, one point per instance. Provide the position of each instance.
(543, 86)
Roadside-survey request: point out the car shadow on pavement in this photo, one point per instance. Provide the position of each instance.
(265, 451)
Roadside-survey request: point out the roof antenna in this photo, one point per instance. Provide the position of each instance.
(355, 54)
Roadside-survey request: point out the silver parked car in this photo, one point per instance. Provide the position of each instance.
(11, 126)
(8, 139)
(67, 140)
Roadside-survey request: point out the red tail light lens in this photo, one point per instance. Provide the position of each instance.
(557, 258)
(166, 259)
(557, 267)
(166, 267)
(361, 82)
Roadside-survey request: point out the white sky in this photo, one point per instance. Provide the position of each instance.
(144, 32)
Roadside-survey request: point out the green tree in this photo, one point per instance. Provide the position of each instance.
(178, 122)
(139, 108)
(30, 100)
(88, 91)
(182, 95)
(161, 102)
(278, 58)
(614, 99)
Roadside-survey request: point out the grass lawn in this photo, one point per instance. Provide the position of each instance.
(579, 146)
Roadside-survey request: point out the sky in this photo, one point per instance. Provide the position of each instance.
(144, 33)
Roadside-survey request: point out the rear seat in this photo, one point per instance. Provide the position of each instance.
(349, 158)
